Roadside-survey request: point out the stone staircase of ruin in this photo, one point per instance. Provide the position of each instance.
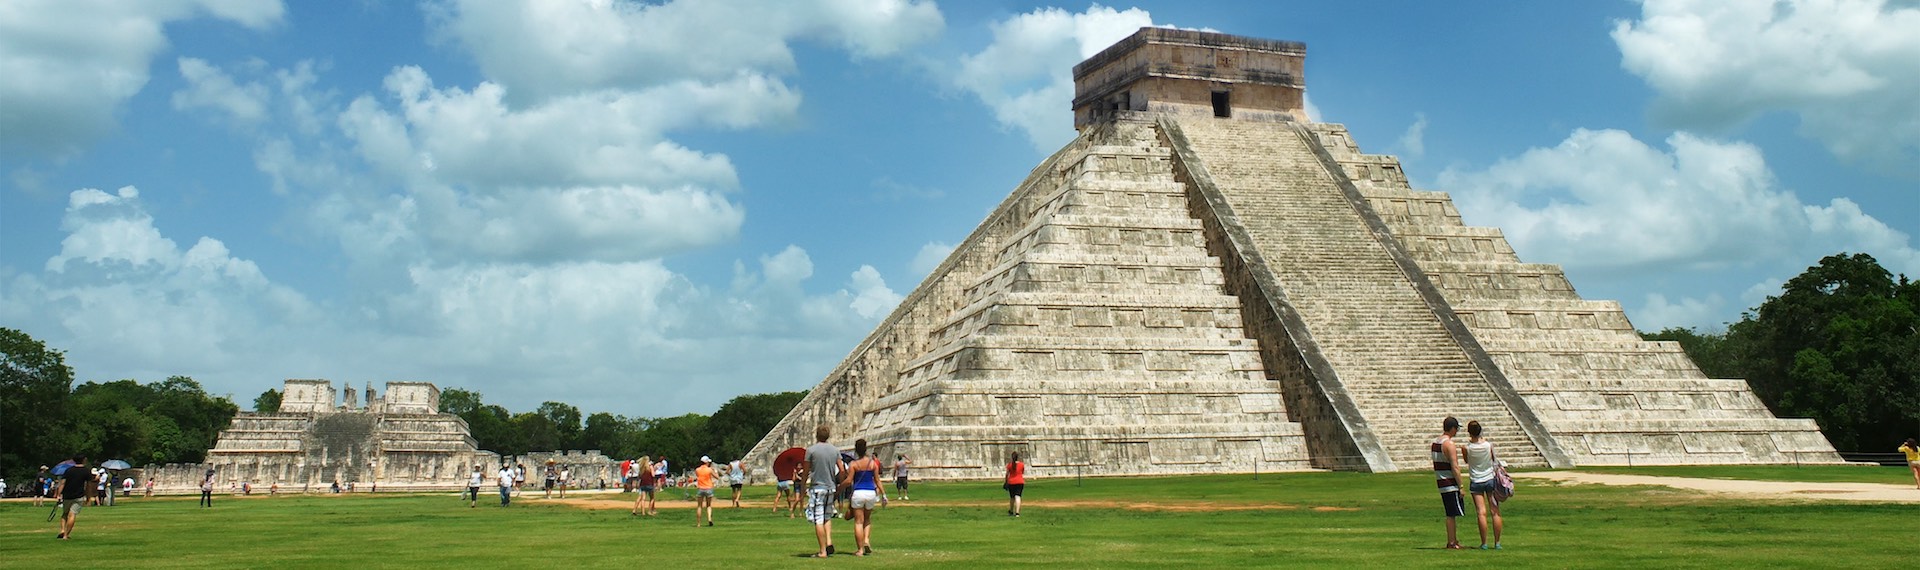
(1607, 396)
(1113, 234)
(1394, 357)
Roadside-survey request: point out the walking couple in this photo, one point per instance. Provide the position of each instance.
(1484, 475)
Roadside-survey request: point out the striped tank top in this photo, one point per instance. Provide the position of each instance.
(1443, 467)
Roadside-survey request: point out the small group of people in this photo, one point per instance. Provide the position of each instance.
(1482, 474)
(826, 473)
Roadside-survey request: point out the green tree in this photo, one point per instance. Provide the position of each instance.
(35, 383)
(680, 438)
(1837, 345)
(742, 421)
(536, 432)
(565, 420)
(267, 402)
(1707, 350)
(459, 402)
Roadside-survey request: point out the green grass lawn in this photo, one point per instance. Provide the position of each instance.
(1301, 519)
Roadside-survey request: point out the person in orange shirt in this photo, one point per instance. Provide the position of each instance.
(703, 499)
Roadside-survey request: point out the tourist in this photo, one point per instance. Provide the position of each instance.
(519, 477)
(206, 489)
(1481, 465)
(660, 479)
(1446, 472)
(823, 469)
(703, 497)
(509, 480)
(643, 486)
(736, 478)
(103, 489)
(866, 494)
(474, 481)
(552, 478)
(271, 491)
(126, 486)
(784, 493)
(43, 487)
(3, 488)
(73, 489)
(1016, 484)
(150, 487)
(566, 478)
(900, 464)
(1912, 449)
(626, 475)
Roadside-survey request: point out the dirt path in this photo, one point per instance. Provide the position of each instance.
(1172, 506)
(1878, 492)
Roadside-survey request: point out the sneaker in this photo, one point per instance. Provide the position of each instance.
(1484, 547)
(1496, 546)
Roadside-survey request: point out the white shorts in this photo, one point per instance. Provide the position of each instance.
(865, 499)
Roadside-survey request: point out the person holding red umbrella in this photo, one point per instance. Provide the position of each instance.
(785, 466)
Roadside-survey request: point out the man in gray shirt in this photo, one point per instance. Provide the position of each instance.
(823, 476)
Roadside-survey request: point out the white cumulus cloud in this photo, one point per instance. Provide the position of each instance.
(69, 66)
(1603, 199)
(1845, 67)
(210, 88)
(1026, 75)
(562, 47)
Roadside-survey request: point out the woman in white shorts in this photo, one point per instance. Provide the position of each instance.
(866, 494)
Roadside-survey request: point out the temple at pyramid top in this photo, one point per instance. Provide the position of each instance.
(1193, 73)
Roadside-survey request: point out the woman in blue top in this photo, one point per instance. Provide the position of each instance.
(866, 493)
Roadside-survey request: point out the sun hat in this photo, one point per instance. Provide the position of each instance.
(705, 459)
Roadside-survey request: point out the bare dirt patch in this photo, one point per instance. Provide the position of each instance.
(1785, 490)
(1170, 506)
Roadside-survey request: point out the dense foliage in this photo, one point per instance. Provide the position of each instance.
(45, 418)
(1838, 344)
(728, 434)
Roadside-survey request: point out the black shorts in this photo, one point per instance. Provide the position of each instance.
(1455, 508)
(737, 486)
(550, 483)
(900, 483)
(1014, 489)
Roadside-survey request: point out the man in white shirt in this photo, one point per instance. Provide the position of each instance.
(506, 484)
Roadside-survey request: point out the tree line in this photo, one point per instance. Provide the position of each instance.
(1838, 344)
(44, 418)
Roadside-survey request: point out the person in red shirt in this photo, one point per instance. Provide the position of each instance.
(703, 498)
(1016, 483)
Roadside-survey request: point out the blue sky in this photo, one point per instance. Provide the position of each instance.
(648, 209)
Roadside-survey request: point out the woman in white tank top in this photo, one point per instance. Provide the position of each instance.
(1480, 472)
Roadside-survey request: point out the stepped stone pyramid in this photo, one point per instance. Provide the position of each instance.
(1206, 281)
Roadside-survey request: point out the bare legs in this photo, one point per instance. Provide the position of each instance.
(703, 506)
(1916, 474)
(862, 531)
(1484, 504)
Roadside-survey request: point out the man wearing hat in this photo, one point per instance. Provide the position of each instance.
(703, 477)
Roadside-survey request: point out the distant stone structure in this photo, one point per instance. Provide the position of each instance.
(1204, 281)
(397, 442)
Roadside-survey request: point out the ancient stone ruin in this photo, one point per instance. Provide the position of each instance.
(398, 441)
(1205, 281)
